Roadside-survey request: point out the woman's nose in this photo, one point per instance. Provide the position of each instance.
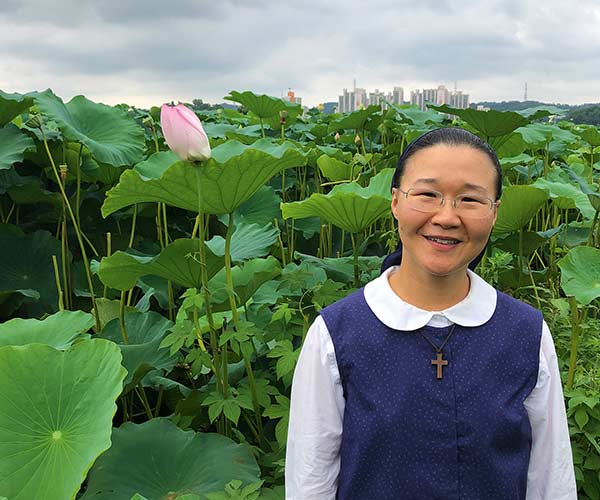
(446, 215)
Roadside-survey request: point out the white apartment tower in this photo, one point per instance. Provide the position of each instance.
(358, 97)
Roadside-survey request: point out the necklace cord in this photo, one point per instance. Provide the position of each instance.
(439, 349)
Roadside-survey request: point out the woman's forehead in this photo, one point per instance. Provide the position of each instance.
(444, 163)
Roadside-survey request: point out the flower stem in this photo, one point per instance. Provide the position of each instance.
(77, 232)
(204, 280)
(233, 305)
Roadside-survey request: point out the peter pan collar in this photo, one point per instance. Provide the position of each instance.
(474, 310)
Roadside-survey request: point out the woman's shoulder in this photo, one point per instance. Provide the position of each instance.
(508, 303)
(346, 303)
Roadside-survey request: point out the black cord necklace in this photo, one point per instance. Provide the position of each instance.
(439, 362)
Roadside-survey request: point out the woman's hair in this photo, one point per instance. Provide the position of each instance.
(451, 136)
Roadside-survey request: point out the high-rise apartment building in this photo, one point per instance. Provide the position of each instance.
(441, 95)
(358, 97)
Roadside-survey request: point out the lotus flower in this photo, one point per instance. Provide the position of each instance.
(184, 133)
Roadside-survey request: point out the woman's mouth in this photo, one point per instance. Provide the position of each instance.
(442, 241)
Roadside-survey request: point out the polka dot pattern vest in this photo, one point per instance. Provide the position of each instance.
(409, 435)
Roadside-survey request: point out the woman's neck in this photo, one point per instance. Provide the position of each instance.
(429, 292)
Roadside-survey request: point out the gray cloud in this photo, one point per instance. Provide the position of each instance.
(153, 51)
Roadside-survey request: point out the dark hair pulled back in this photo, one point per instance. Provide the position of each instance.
(451, 136)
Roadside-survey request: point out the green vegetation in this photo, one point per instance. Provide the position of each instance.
(153, 310)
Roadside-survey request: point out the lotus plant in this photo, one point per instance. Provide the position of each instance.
(184, 133)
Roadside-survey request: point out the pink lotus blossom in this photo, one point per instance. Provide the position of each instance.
(184, 133)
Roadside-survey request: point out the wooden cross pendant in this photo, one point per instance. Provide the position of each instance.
(439, 362)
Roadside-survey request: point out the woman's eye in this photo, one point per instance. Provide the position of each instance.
(468, 199)
(427, 194)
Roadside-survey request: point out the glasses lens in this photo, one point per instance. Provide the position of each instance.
(467, 205)
(473, 205)
(424, 200)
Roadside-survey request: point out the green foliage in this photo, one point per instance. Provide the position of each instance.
(210, 333)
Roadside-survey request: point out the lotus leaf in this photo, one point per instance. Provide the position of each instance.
(348, 206)
(233, 174)
(162, 461)
(590, 135)
(27, 269)
(336, 170)
(156, 164)
(246, 278)
(107, 132)
(263, 106)
(414, 115)
(56, 417)
(355, 120)
(177, 262)
(12, 105)
(13, 143)
(247, 241)
(580, 273)
(58, 330)
(566, 195)
(493, 126)
(261, 209)
(519, 205)
(145, 332)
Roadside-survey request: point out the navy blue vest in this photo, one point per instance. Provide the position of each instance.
(408, 435)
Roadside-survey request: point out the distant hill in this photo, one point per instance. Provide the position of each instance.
(580, 113)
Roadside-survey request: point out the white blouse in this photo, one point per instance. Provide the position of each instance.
(317, 401)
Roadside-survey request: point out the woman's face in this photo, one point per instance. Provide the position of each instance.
(451, 170)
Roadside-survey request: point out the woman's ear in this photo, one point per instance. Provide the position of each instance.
(394, 204)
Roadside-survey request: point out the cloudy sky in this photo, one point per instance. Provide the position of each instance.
(151, 51)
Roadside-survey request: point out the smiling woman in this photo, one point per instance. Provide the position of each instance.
(374, 416)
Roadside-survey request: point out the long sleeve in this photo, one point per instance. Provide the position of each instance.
(316, 418)
(551, 475)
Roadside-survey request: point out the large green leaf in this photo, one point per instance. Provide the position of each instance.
(12, 105)
(493, 126)
(160, 461)
(233, 174)
(260, 209)
(356, 120)
(27, 268)
(589, 134)
(58, 330)
(108, 133)
(263, 106)
(336, 170)
(178, 262)
(413, 115)
(56, 416)
(13, 143)
(141, 354)
(580, 273)
(564, 194)
(247, 278)
(537, 135)
(247, 241)
(292, 110)
(348, 206)
(519, 204)
(156, 164)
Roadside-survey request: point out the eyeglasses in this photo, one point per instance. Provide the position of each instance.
(473, 206)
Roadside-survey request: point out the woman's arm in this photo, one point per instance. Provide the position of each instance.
(316, 418)
(551, 475)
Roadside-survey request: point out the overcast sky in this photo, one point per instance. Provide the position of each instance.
(151, 51)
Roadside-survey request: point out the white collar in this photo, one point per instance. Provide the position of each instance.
(474, 310)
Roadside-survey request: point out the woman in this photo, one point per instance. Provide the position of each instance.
(428, 383)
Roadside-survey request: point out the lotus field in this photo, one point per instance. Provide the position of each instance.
(153, 307)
